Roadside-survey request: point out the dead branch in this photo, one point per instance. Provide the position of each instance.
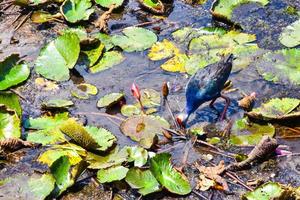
(101, 22)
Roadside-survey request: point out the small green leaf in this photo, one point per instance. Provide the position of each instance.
(135, 39)
(137, 154)
(11, 72)
(167, 176)
(113, 158)
(246, 133)
(109, 100)
(109, 59)
(42, 17)
(43, 186)
(84, 90)
(130, 110)
(109, 3)
(76, 10)
(57, 103)
(47, 136)
(111, 174)
(150, 98)
(93, 53)
(58, 56)
(46, 122)
(11, 101)
(9, 124)
(143, 180)
(266, 191)
(290, 36)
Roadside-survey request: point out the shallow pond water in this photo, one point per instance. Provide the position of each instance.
(266, 23)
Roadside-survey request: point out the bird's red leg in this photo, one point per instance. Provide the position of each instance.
(225, 108)
(212, 103)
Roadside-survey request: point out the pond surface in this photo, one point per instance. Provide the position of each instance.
(266, 22)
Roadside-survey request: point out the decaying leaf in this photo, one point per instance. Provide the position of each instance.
(84, 90)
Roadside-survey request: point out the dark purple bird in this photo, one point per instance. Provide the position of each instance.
(206, 85)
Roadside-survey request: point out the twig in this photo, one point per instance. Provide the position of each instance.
(6, 2)
(112, 121)
(100, 114)
(101, 22)
(147, 23)
(292, 154)
(212, 146)
(219, 153)
(23, 21)
(18, 93)
(238, 180)
(199, 195)
(170, 148)
(172, 115)
(293, 130)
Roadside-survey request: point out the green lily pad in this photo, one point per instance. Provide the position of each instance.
(111, 174)
(34, 186)
(109, 3)
(163, 50)
(246, 133)
(130, 110)
(40, 17)
(76, 10)
(113, 158)
(109, 59)
(9, 124)
(143, 129)
(135, 39)
(42, 186)
(57, 103)
(48, 136)
(167, 176)
(109, 100)
(84, 90)
(79, 31)
(270, 190)
(290, 36)
(89, 137)
(150, 98)
(277, 109)
(11, 101)
(223, 9)
(155, 6)
(11, 72)
(93, 53)
(281, 66)
(57, 57)
(46, 122)
(138, 155)
(143, 180)
(175, 64)
(74, 153)
(105, 39)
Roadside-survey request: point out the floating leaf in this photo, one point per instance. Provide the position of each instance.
(266, 191)
(46, 122)
(175, 64)
(45, 84)
(246, 133)
(109, 100)
(155, 6)
(114, 158)
(167, 176)
(93, 53)
(111, 174)
(48, 136)
(143, 129)
(34, 186)
(109, 3)
(223, 9)
(163, 50)
(105, 39)
(290, 36)
(130, 110)
(135, 39)
(137, 154)
(89, 137)
(79, 31)
(58, 56)
(277, 109)
(143, 180)
(11, 72)
(109, 59)
(42, 17)
(43, 186)
(9, 124)
(84, 90)
(73, 152)
(76, 10)
(57, 103)
(11, 101)
(281, 66)
(150, 98)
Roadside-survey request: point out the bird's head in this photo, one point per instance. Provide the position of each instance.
(182, 119)
(229, 58)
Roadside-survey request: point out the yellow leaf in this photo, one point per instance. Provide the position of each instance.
(162, 50)
(175, 64)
